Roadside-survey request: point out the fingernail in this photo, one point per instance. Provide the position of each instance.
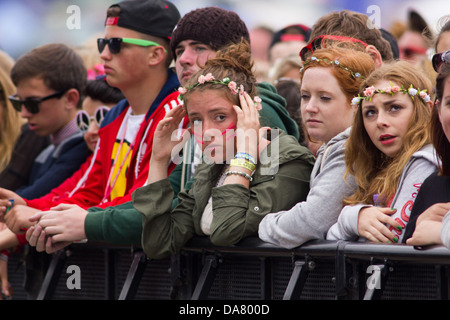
(395, 239)
(399, 228)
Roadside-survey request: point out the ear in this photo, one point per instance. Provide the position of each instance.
(430, 105)
(72, 97)
(156, 55)
(375, 55)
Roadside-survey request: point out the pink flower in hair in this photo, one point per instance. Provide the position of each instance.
(209, 77)
(369, 91)
(388, 89)
(201, 79)
(182, 90)
(395, 89)
(257, 101)
(233, 87)
(424, 96)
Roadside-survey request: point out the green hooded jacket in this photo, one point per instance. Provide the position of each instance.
(237, 210)
(122, 224)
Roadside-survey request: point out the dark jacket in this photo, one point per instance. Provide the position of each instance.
(54, 165)
(237, 210)
(26, 149)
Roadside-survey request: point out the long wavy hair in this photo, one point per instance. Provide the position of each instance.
(11, 121)
(376, 173)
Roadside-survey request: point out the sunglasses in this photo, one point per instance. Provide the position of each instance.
(32, 104)
(115, 44)
(84, 119)
(318, 42)
(440, 58)
(410, 51)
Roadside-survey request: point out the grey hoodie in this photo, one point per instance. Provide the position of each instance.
(312, 218)
(422, 164)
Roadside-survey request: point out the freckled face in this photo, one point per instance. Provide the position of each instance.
(386, 119)
(325, 108)
(213, 120)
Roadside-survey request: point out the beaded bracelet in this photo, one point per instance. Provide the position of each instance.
(243, 155)
(243, 174)
(242, 163)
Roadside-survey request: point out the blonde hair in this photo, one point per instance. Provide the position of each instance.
(11, 121)
(375, 173)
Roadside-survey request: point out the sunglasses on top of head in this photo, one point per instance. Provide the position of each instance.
(32, 104)
(115, 44)
(84, 119)
(318, 42)
(439, 59)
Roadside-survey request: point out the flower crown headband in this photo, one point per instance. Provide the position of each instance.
(209, 78)
(335, 62)
(413, 92)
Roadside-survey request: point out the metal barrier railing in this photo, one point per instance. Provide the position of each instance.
(254, 269)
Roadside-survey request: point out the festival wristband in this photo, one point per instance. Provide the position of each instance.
(243, 163)
(243, 174)
(243, 155)
(10, 207)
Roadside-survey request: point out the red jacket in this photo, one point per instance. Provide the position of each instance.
(93, 191)
(64, 190)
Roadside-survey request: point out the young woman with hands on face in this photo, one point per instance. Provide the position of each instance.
(239, 181)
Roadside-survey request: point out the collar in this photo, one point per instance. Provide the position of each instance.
(67, 131)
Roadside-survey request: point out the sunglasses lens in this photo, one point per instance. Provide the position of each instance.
(114, 45)
(32, 106)
(303, 53)
(436, 61)
(16, 103)
(101, 43)
(82, 121)
(100, 114)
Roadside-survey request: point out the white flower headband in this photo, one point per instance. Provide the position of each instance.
(335, 62)
(209, 78)
(413, 92)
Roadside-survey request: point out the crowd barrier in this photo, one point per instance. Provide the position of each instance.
(250, 270)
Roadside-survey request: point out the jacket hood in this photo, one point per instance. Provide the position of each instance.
(429, 153)
(272, 100)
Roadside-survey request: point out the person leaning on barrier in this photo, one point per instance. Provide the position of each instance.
(423, 236)
(239, 183)
(330, 79)
(429, 220)
(196, 38)
(137, 58)
(389, 153)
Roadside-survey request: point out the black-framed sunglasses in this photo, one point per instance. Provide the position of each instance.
(115, 44)
(440, 58)
(84, 119)
(32, 104)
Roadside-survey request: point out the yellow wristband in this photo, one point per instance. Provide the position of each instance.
(243, 164)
